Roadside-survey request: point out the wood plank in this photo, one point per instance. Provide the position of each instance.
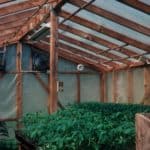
(8, 31)
(30, 25)
(17, 16)
(19, 80)
(114, 86)
(91, 48)
(137, 5)
(146, 98)
(103, 87)
(113, 17)
(130, 86)
(20, 6)
(78, 88)
(14, 24)
(107, 31)
(88, 55)
(53, 62)
(95, 39)
(67, 54)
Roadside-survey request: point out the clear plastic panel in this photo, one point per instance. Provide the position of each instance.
(8, 96)
(122, 87)
(90, 87)
(69, 94)
(35, 97)
(138, 85)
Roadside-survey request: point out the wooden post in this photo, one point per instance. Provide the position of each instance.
(53, 62)
(103, 87)
(19, 80)
(130, 86)
(78, 88)
(114, 86)
(146, 99)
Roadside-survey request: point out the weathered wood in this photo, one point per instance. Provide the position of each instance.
(107, 31)
(146, 98)
(91, 48)
(67, 54)
(142, 131)
(138, 5)
(19, 80)
(88, 55)
(4, 1)
(53, 62)
(114, 17)
(8, 32)
(96, 39)
(13, 24)
(17, 16)
(130, 85)
(16, 7)
(78, 88)
(103, 87)
(114, 86)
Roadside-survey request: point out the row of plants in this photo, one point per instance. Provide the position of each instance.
(90, 126)
(8, 144)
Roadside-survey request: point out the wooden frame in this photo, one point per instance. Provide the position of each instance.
(19, 80)
(52, 105)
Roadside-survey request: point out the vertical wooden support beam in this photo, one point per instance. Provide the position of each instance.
(146, 99)
(103, 87)
(53, 62)
(19, 80)
(130, 86)
(78, 87)
(114, 86)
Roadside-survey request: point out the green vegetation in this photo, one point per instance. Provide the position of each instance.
(89, 126)
(8, 144)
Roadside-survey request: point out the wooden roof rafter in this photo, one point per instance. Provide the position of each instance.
(90, 47)
(16, 7)
(12, 18)
(85, 54)
(137, 5)
(67, 54)
(34, 20)
(112, 16)
(95, 39)
(106, 31)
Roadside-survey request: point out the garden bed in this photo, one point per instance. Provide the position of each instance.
(90, 126)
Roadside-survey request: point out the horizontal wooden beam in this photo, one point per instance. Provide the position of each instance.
(85, 54)
(113, 17)
(20, 6)
(137, 5)
(17, 16)
(8, 32)
(4, 1)
(13, 24)
(107, 31)
(67, 54)
(95, 39)
(30, 24)
(90, 47)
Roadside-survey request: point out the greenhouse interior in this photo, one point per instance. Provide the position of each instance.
(74, 75)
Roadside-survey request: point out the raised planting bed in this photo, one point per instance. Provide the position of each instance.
(143, 131)
(90, 126)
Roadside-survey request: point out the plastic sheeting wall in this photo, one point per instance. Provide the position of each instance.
(35, 97)
(138, 86)
(88, 82)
